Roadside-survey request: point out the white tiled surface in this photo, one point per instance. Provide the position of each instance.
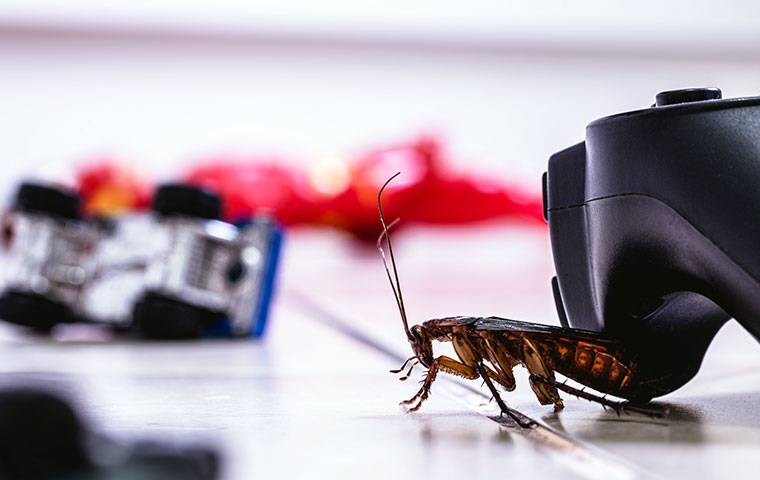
(309, 402)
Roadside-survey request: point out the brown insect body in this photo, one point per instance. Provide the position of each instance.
(490, 348)
(589, 358)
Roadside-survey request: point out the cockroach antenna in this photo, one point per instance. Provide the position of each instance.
(396, 287)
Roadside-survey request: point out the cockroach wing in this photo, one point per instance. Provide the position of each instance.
(506, 324)
(589, 358)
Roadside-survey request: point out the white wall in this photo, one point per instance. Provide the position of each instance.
(159, 89)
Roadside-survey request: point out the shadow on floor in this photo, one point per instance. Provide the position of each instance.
(721, 418)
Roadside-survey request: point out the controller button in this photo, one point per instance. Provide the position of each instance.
(672, 97)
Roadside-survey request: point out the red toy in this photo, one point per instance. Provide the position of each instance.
(254, 185)
(428, 190)
(108, 187)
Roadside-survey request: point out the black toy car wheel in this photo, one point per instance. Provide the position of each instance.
(49, 200)
(159, 317)
(186, 200)
(32, 310)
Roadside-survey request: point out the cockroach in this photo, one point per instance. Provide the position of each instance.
(490, 348)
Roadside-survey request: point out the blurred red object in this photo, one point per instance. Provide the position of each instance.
(256, 186)
(427, 191)
(108, 187)
(339, 194)
(345, 195)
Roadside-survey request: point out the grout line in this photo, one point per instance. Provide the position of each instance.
(584, 460)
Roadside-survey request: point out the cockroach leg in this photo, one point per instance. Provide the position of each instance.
(409, 372)
(536, 364)
(448, 365)
(453, 367)
(579, 393)
(499, 378)
(618, 407)
(502, 405)
(402, 367)
(423, 393)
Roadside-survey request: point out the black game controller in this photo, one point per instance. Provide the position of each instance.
(655, 226)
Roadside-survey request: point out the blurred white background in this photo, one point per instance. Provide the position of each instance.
(160, 82)
(506, 83)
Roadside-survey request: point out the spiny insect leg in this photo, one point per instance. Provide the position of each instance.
(499, 378)
(618, 407)
(423, 393)
(537, 365)
(502, 405)
(446, 364)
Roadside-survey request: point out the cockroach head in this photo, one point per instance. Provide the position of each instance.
(422, 345)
